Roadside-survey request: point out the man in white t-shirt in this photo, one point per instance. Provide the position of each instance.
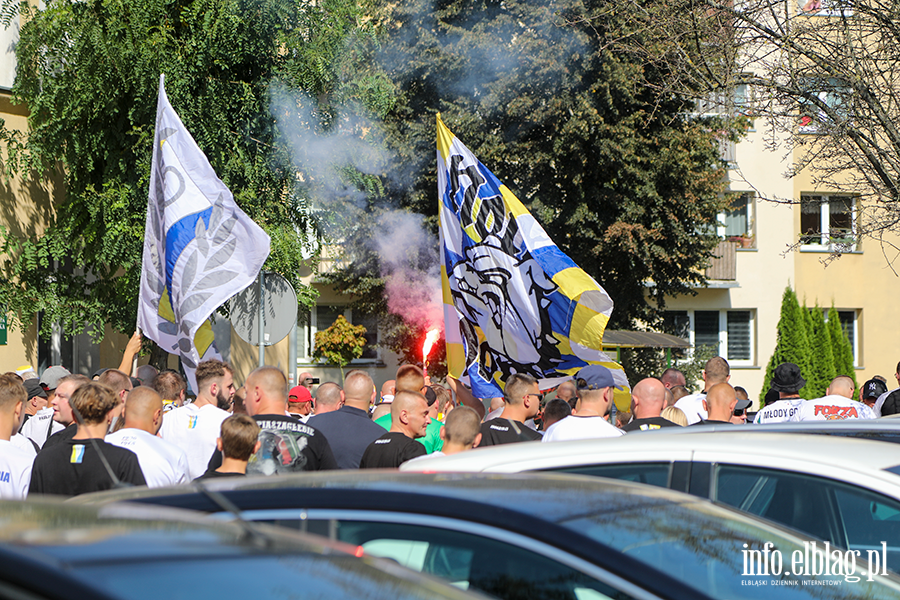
(162, 462)
(716, 371)
(195, 427)
(837, 404)
(15, 464)
(595, 385)
(787, 381)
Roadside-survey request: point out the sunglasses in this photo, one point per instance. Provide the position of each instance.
(739, 412)
(540, 397)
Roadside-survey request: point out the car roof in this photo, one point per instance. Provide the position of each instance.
(128, 532)
(61, 550)
(807, 453)
(855, 427)
(544, 493)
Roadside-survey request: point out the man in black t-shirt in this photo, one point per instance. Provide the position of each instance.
(648, 399)
(286, 444)
(523, 401)
(75, 466)
(409, 420)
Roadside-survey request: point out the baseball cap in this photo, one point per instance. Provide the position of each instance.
(50, 378)
(595, 377)
(742, 404)
(299, 394)
(873, 388)
(34, 389)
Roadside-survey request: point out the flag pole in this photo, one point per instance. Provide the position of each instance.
(262, 325)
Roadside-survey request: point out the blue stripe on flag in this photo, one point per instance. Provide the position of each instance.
(552, 260)
(178, 237)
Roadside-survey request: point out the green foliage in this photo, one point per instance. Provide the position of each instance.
(840, 344)
(821, 354)
(89, 72)
(792, 343)
(341, 343)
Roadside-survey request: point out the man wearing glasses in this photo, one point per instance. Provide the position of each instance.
(523, 401)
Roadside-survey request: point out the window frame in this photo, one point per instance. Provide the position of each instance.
(751, 218)
(825, 224)
(723, 333)
(307, 328)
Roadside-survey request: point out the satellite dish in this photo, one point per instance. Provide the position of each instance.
(279, 310)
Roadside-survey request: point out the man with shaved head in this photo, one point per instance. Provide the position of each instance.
(648, 399)
(568, 392)
(329, 398)
(836, 405)
(162, 462)
(286, 444)
(719, 405)
(409, 420)
(349, 430)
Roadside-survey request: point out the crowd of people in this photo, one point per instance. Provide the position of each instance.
(66, 434)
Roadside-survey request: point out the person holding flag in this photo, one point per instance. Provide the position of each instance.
(200, 248)
(514, 303)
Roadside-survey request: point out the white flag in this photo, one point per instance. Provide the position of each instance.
(200, 249)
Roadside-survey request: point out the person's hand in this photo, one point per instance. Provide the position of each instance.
(134, 344)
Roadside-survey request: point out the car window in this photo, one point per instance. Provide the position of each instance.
(803, 502)
(650, 473)
(719, 553)
(467, 560)
(868, 520)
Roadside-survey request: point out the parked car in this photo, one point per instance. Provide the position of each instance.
(52, 551)
(528, 536)
(880, 430)
(844, 491)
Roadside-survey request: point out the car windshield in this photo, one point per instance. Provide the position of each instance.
(261, 577)
(726, 555)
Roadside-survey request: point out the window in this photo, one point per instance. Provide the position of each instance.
(816, 119)
(825, 8)
(321, 317)
(729, 332)
(736, 223)
(828, 222)
(848, 324)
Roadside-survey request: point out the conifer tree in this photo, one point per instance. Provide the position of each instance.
(821, 354)
(840, 343)
(793, 342)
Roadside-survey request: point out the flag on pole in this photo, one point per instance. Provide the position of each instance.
(200, 248)
(513, 301)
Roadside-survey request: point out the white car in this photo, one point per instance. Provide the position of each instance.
(845, 491)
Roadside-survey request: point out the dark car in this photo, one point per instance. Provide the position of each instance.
(52, 551)
(531, 536)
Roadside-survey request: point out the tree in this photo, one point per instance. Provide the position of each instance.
(88, 73)
(821, 354)
(840, 343)
(792, 343)
(341, 343)
(828, 69)
(624, 180)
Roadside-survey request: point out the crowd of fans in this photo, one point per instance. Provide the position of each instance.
(67, 434)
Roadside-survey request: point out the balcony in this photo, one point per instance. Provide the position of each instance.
(723, 266)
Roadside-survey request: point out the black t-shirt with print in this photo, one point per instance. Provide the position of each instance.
(287, 445)
(503, 431)
(390, 451)
(73, 467)
(648, 424)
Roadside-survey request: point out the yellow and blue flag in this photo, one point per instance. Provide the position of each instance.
(513, 301)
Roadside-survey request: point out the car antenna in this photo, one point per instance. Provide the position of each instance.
(251, 531)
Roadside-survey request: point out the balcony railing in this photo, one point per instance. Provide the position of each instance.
(724, 265)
